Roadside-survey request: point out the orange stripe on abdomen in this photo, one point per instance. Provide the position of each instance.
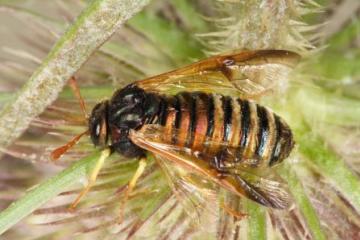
(169, 119)
(202, 121)
(235, 134)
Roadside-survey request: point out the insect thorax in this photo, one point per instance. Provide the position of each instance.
(130, 108)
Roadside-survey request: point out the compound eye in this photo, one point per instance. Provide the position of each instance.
(97, 130)
(99, 133)
(102, 132)
(98, 125)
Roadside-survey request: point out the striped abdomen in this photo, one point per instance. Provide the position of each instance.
(225, 128)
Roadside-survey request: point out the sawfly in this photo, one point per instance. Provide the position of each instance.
(202, 119)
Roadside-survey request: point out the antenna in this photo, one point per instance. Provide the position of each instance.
(58, 152)
(76, 91)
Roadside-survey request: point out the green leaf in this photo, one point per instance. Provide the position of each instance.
(344, 37)
(190, 16)
(45, 192)
(177, 45)
(91, 29)
(330, 108)
(331, 166)
(339, 61)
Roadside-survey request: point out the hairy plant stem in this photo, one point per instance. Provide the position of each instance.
(91, 29)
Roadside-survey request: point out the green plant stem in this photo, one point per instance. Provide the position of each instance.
(45, 192)
(91, 29)
(302, 201)
(256, 221)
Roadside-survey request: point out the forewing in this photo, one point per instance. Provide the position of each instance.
(248, 74)
(259, 184)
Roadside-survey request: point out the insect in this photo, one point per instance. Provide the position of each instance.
(201, 118)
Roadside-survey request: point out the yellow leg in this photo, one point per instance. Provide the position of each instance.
(100, 162)
(131, 185)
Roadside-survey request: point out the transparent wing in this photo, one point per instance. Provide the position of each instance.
(266, 189)
(248, 74)
(197, 195)
(259, 184)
